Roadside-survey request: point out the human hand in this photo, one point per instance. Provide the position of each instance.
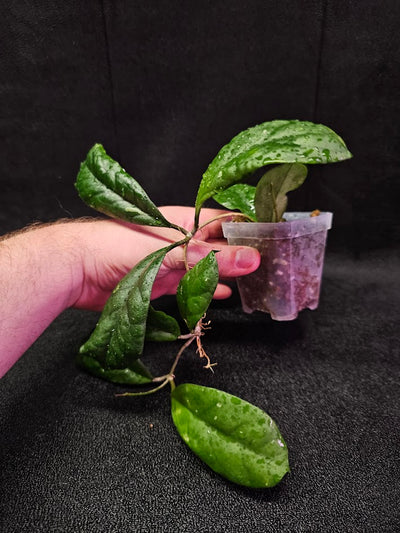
(47, 268)
(110, 249)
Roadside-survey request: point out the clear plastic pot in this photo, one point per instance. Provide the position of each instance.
(292, 256)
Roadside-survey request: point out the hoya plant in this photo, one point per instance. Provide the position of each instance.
(236, 439)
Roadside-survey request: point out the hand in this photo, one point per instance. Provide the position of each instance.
(45, 269)
(110, 249)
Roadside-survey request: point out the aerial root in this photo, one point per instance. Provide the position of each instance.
(199, 332)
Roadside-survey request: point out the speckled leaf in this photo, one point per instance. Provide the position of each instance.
(278, 141)
(270, 198)
(196, 289)
(118, 338)
(137, 374)
(233, 437)
(161, 327)
(239, 196)
(105, 186)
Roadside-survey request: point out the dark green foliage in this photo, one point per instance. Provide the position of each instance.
(235, 438)
(104, 185)
(278, 141)
(118, 338)
(196, 289)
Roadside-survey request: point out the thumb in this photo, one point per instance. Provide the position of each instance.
(233, 261)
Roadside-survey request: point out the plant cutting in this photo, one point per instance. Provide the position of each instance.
(236, 439)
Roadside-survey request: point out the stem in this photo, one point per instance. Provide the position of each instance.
(182, 230)
(168, 378)
(190, 234)
(196, 219)
(185, 256)
(182, 241)
(178, 355)
(185, 243)
(146, 393)
(219, 217)
(189, 339)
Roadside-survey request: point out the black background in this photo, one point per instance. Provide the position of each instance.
(163, 85)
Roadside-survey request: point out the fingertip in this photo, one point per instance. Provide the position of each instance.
(222, 292)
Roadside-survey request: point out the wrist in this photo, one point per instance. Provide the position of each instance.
(65, 244)
(41, 275)
(53, 252)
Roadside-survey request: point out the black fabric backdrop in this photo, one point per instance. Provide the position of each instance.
(163, 85)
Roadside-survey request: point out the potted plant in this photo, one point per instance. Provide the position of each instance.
(235, 438)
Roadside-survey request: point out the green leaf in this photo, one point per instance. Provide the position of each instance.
(105, 186)
(161, 327)
(270, 198)
(233, 437)
(118, 339)
(239, 196)
(196, 289)
(137, 374)
(278, 141)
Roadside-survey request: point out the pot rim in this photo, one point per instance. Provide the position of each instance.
(298, 223)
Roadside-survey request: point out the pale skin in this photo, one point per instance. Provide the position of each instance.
(49, 268)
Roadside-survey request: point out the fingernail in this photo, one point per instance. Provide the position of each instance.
(246, 258)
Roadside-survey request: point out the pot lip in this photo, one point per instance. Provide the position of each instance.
(299, 223)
